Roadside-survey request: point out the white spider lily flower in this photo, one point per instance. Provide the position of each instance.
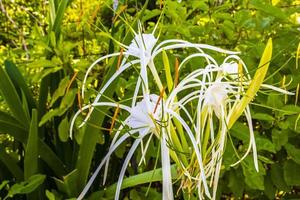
(215, 96)
(142, 115)
(231, 69)
(141, 47)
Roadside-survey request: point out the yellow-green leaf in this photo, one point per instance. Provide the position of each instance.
(254, 86)
(167, 70)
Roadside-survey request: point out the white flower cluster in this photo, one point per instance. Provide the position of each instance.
(212, 89)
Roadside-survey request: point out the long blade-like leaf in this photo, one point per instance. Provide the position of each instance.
(254, 86)
(11, 164)
(12, 99)
(11, 126)
(19, 82)
(31, 152)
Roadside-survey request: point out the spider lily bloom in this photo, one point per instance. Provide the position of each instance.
(143, 49)
(205, 100)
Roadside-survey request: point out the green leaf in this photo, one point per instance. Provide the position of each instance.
(291, 172)
(26, 187)
(254, 179)
(3, 184)
(235, 183)
(11, 164)
(68, 184)
(263, 116)
(60, 91)
(264, 143)
(44, 73)
(279, 138)
(68, 100)
(63, 130)
(167, 70)
(200, 5)
(65, 104)
(12, 99)
(49, 115)
(145, 177)
(241, 132)
(19, 82)
(51, 159)
(31, 152)
(44, 63)
(269, 190)
(11, 126)
(269, 9)
(50, 195)
(277, 177)
(59, 16)
(293, 152)
(254, 86)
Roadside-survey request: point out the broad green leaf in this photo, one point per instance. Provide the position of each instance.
(200, 5)
(26, 187)
(45, 73)
(269, 9)
(279, 138)
(66, 103)
(277, 177)
(60, 91)
(254, 179)
(49, 115)
(291, 171)
(263, 143)
(63, 130)
(293, 152)
(3, 184)
(50, 195)
(254, 86)
(270, 189)
(12, 99)
(235, 182)
(263, 116)
(31, 151)
(68, 99)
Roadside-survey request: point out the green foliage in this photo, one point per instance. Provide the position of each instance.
(46, 49)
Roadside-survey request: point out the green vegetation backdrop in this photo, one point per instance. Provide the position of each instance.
(45, 49)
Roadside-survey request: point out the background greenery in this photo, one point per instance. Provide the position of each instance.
(46, 47)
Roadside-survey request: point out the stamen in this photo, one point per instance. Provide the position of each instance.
(120, 58)
(159, 98)
(71, 81)
(114, 119)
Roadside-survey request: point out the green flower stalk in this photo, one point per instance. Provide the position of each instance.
(191, 121)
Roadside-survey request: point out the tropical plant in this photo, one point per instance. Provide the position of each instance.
(46, 47)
